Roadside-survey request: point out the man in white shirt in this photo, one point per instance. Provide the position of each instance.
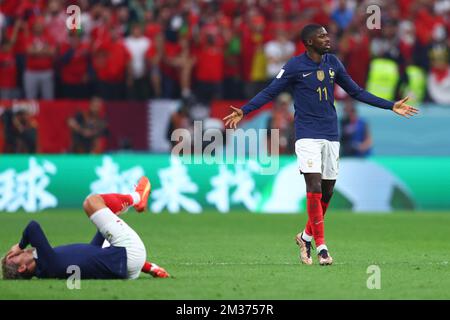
(138, 45)
(278, 51)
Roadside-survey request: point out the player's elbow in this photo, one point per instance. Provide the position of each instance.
(33, 224)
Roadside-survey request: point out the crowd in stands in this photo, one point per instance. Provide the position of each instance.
(200, 50)
(141, 49)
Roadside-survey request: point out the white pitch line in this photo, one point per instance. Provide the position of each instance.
(241, 263)
(442, 263)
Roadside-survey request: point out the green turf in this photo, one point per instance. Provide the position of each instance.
(250, 256)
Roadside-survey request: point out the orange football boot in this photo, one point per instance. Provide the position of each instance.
(143, 188)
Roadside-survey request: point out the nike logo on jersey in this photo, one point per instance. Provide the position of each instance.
(306, 74)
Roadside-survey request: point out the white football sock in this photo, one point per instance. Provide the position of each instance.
(306, 237)
(136, 197)
(321, 247)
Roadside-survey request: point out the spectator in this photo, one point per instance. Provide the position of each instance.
(154, 58)
(87, 16)
(185, 64)
(387, 44)
(342, 15)
(279, 21)
(181, 120)
(138, 45)
(74, 58)
(111, 63)
(30, 9)
(100, 24)
(253, 58)
(21, 29)
(177, 64)
(281, 119)
(153, 31)
(278, 52)
(153, 26)
(40, 51)
(26, 132)
(356, 140)
(20, 131)
(387, 68)
(232, 88)
(169, 76)
(55, 22)
(209, 70)
(8, 131)
(8, 67)
(355, 52)
(8, 71)
(123, 21)
(241, 30)
(426, 22)
(87, 128)
(139, 9)
(439, 77)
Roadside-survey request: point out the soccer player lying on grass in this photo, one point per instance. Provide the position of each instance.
(124, 258)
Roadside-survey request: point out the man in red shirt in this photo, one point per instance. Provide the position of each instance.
(19, 31)
(40, 52)
(74, 57)
(8, 67)
(111, 61)
(210, 71)
(8, 71)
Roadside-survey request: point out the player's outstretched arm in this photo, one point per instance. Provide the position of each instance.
(285, 77)
(346, 82)
(404, 110)
(233, 118)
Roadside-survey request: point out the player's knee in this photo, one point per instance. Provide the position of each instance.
(91, 204)
(314, 187)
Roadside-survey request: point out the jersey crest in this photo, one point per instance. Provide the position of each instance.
(320, 75)
(331, 72)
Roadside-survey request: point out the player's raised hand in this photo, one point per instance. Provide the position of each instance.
(401, 108)
(233, 118)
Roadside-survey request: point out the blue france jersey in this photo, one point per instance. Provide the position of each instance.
(313, 90)
(93, 261)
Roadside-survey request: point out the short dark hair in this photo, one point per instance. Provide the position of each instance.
(10, 271)
(308, 30)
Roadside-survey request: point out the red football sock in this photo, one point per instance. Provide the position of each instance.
(116, 201)
(308, 228)
(315, 217)
(147, 266)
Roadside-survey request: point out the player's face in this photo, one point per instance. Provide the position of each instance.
(18, 259)
(24, 260)
(321, 41)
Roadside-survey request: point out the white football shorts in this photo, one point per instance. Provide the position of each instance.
(318, 156)
(119, 234)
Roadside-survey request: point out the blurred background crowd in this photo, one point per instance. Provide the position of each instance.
(140, 49)
(203, 50)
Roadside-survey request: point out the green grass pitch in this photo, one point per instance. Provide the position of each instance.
(251, 256)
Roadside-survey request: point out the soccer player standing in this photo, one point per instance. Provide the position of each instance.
(312, 76)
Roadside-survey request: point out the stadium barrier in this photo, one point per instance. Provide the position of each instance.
(379, 184)
(146, 125)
